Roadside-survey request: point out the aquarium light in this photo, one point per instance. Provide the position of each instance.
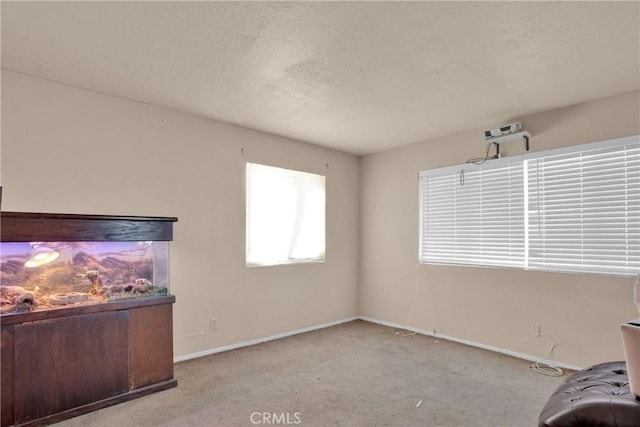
(41, 255)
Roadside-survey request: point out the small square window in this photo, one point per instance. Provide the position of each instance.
(285, 216)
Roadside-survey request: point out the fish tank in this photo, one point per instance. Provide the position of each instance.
(45, 275)
(53, 261)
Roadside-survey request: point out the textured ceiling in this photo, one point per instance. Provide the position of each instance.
(356, 76)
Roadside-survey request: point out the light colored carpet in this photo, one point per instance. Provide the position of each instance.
(354, 374)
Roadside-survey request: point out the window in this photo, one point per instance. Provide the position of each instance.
(472, 215)
(572, 209)
(285, 216)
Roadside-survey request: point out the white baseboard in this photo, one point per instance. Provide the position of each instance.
(260, 340)
(472, 343)
(523, 356)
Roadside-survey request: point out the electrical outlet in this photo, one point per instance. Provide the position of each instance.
(535, 329)
(212, 324)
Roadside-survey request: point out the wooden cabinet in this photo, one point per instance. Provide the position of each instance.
(56, 364)
(151, 357)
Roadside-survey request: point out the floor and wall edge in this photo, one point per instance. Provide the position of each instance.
(261, 340)
(248, 343)
(473, 344)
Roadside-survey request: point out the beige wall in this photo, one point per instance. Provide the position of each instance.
(106, 155)
(102, 154)
(489, 306)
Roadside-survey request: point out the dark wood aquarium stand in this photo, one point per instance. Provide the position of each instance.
(63, 362)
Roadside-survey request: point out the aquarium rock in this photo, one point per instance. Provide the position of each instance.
(26, 298)
(68, 298)
(15, 295)
(138, 286)
(96, 281)
(16, 298)
(141, 286)
(109, 290)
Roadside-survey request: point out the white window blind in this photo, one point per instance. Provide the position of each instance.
(584, 208)
(285, 218)
(474, 214)
(572, 209)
